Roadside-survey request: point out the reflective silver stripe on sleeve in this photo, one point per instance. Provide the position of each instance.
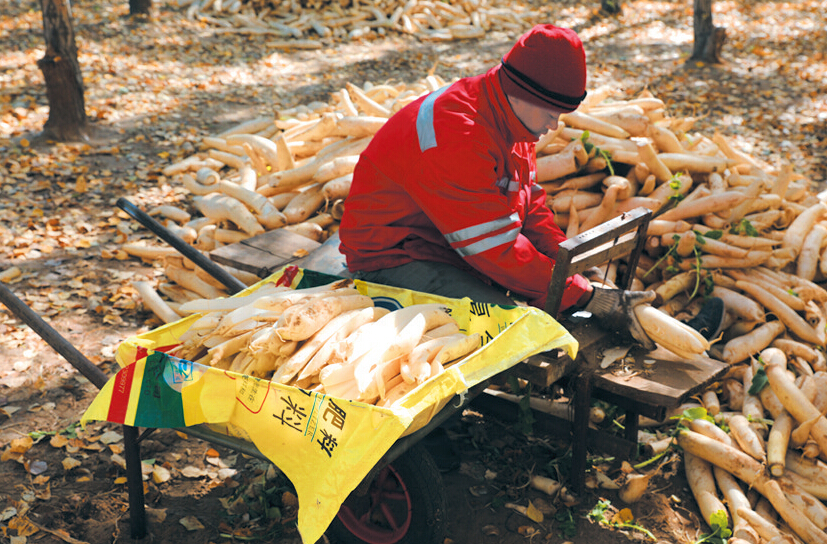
(490, 242)
(535, 188)
(425, 121)
(513, 186)
(482, 229)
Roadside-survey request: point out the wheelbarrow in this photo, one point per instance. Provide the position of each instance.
(401, 499)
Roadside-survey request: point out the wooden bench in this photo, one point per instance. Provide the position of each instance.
(643, 384)
(648, 384)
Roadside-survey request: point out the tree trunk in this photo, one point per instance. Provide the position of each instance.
(140, 7)
(709, 39)
(64, 84)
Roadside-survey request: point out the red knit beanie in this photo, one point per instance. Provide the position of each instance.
(546, 67)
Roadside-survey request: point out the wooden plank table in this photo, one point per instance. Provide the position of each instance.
(643, 383)
(649, 383)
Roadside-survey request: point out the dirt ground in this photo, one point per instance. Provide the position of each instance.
(153, 90)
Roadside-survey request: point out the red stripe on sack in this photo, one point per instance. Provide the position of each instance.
(140, 353)
(119, 402)
(286, 279)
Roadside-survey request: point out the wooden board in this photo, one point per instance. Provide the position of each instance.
(667, 380)
(545, 369)
(646, 388)
(263, 254)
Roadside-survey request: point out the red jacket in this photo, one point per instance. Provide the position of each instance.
(450, 178)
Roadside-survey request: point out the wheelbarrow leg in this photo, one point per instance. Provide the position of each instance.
(134, 482)
(96, 376)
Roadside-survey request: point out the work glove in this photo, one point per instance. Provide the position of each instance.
(615, 308)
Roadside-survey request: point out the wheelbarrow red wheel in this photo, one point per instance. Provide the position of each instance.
(404, 504)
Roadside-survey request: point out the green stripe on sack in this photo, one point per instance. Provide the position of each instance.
(159, 406)
(311, 278)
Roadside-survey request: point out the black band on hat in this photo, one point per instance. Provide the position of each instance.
(525, 81)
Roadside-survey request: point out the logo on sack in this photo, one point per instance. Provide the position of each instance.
(181, 370)
(388, 303)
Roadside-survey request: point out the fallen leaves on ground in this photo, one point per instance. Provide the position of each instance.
(158, 88)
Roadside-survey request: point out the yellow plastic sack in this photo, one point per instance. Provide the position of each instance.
(324, 445)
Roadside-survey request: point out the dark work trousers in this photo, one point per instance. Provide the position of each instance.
(438, 279)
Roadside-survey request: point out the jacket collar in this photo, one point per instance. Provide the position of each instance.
(513, 130)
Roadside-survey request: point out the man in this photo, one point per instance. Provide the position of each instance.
(444, 198)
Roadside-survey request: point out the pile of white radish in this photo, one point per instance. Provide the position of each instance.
(762, 464)
(730, 226)
(292, 172)
(306, 24)
(330, 339)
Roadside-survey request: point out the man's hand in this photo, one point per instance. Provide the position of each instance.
(615, 308)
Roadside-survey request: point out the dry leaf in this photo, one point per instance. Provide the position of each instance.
(58, 441)
(37, 467)
(216, 461)
(8, 411)
(69, 463)
(544, 506)
(21, 445)
(623, 515)
(8, 513)
(225, 473)
(533, 513)
(191, 523)
(9, 455)
(44, 494)
(190, 471)
(118, 460)
(110, 437)
(10, 274)
(156, 515)
(160, 474)
(289, 499)
(23, 526)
